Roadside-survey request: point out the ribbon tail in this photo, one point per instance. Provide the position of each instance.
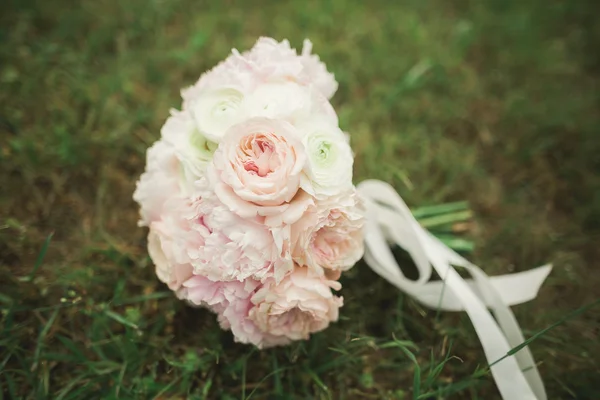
(389, 219)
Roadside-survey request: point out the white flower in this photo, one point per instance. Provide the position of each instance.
(289, 101)
(215, 110)
(330, 159)
(235, 71)
(193, 150)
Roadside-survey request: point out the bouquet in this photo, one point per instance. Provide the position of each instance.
(252, 213)
(249, 199)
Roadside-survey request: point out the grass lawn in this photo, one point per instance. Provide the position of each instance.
(495, 102)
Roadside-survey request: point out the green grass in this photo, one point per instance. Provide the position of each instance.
(493, 102)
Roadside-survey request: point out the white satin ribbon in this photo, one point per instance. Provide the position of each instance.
(389, 220)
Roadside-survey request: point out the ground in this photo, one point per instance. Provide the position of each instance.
(492, 102)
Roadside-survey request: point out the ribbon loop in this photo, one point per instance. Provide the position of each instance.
(389, 220)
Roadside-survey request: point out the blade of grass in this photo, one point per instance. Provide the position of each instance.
(404, 345)
(40, 258)
(244, 378)
(40, 341)
(61, 395)
(120, 379)
(206, 388)
(277, 378)
(539, 334)
(318, 381)
(10, 384)
(70, 345)
(166, 388)
(120, 319)
(265, 378)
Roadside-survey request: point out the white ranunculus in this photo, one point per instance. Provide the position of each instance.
(193, 150)
(215, 110)
(330, 159)
(289, 101)
(281, 100)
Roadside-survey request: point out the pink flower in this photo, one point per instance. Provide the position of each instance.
(296, 307)
(236, 248)
(272, 61)
(330, 237)
(256, 171)
(230, 300)
(158, 183)
(169, 241)
(317, 71)
(234, 72)
(160, 249)
(271, 80)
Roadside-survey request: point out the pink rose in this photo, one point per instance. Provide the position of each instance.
(257, 170)
(296, 307)
(330, 237)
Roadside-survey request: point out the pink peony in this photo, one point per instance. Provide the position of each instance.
(234, 72)
(296, 307)
(232, 303)
(317, 71)
(236, 248)
(230, 300)
(160, 248)
(275, 61)
(170, 240)
(256, 171)
(158, 183)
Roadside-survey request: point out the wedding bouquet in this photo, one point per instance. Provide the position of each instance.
(249, 199)
(252, 213)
